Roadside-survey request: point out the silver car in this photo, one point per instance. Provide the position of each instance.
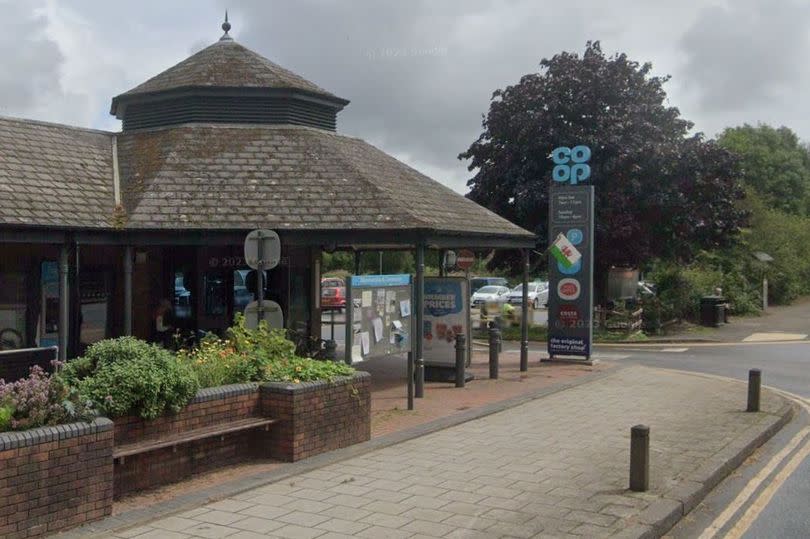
(538, 294)
(489, 294)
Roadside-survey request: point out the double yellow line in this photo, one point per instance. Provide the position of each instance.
(801, 441)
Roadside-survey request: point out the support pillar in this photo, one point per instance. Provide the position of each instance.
(524, 316)
(64, 301)
(419, 315)
(128, 267)
(357, 262)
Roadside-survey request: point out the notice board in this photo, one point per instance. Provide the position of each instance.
(379, 316)
(447, 314)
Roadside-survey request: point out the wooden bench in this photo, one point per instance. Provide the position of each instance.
(239, 425)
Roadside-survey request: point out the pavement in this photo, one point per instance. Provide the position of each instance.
(551, 466)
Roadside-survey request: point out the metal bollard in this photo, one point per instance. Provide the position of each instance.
(754, 386)
(640, 458)
(419, 363)
(330, 349)
(493, 352)
(461, 347)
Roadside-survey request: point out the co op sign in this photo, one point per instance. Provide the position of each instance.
(570, 164)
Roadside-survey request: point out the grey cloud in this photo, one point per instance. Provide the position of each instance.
(31, 61)
(746, 52)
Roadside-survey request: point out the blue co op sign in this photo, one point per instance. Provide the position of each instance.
(571, 164)
(570, 298)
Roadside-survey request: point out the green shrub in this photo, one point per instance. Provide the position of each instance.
(216, 362)
(263, 342)
(300, 369)
(6, 415)
(128, 376)
(40, 399)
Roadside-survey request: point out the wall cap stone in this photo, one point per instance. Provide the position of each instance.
(213, 393)
(39, 435)
(289, 388)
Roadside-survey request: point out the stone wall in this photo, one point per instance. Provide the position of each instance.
(53, 478)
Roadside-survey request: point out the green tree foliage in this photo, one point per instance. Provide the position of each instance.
(660, 192)
(774, 163)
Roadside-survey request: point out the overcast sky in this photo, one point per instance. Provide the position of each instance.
(419, 74)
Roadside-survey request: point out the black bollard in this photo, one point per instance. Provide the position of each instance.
(330, 349)
(493, 352)
(640, 458)
(461, 347)
(754, 386)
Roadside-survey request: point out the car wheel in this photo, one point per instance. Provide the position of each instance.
(536, 303)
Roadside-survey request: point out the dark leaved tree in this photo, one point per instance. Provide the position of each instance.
(660, 192)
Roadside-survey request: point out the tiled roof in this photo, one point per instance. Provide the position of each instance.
(55, 175)
(225, 64)
(283, 177)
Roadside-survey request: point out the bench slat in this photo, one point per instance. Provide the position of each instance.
(191, 436)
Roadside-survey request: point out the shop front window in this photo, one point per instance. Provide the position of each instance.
(49, 324)
(182, 296)
(216, 299)
(12, 310)
(94, 291)
(241, 294)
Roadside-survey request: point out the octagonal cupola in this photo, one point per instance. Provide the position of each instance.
(227, 83)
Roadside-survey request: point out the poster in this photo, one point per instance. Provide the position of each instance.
(447, 314)
(377, 324)
(366, 298)
(405, 308)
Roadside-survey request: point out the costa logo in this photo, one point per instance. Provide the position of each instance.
(569, 316)
(568, 289)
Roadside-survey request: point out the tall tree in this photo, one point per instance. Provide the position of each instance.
(774, 163)
(659, 191)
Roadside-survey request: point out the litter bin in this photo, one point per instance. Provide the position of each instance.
(712, 311)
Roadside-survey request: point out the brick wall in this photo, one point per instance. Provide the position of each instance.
(53, 478)
(315, 417)
(211, 406)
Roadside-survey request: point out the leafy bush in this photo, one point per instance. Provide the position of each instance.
(300, 369)
(128, 376)
(40, 399)
(263, 341)
(216, 362)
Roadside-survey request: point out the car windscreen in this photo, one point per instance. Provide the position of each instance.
(489, 290)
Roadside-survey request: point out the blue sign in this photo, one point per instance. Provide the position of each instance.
(570, 164)
(380, 280)
(443, 298)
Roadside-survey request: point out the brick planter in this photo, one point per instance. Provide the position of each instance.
(211, 407)
(53, 478)
(315, 417)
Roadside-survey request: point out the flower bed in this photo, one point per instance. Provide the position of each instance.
(57, 472)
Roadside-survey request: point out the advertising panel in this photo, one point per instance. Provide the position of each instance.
(570, 299)
(446, 314)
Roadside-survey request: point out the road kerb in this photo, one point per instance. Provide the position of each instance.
(677, 502)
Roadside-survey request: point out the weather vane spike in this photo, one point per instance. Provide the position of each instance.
(226, 26)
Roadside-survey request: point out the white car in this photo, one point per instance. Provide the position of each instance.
(490, 294)
(538, 294)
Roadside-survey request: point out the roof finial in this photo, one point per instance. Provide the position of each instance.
(226, 26)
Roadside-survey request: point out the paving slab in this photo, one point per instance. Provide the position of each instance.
(553, 466)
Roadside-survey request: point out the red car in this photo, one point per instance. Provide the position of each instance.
(333, 297)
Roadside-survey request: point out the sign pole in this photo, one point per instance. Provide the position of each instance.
(260, 274)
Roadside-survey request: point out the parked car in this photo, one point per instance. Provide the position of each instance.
(538, 294)
(490, 294)
(476, 283)
(333, 297)
(332, 282)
